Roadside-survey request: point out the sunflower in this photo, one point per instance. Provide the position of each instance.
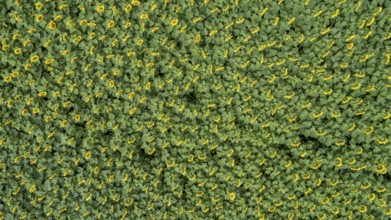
(87, 155)
(174, 22)
(100, 8)
(128, 24)
(38, 5)
(52, 25)
(15, 74)
(232, 196)
(7, 79)
(34, 58)
(17, 51)
(128, 8)
(135, 2)
(111, 24)
(144, 16)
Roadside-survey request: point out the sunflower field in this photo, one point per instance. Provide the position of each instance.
(195, 109)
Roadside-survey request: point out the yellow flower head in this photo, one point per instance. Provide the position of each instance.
(49, 61)
(154, 6)
(38, 5)
(110, 24)
(41, 94)
(58, 17)
(144, 16)
(33, 188)
(31, 82)
(174, 22)
(96, 170)
(116, 72)
(128, 24)
(135, 2)
(198, 38)
(92, 35)
(27, 66)
(83, 22)
(139, 42)
(16, 36)
(87, 155)
(232, 196)
(131, 112)
(78, 38)
(131, 95)
(55, 94)
(15, 74)
(17, 51)
(52, 26)
(34, 58)
(100, 8)
(24, 112)
(128, 8)
(7, 79)
(148, 85)
(38, 18)
(5, 47)
(36, 110)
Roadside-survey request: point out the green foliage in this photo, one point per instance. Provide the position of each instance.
(195, 109)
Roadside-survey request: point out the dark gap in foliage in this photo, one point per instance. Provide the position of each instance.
(191, 97)
(237, 159)
(112, 97)
(332, 22)
(213, 153)
(144, 154)
(286, 150)
(160, 73)
(300, 48)
(108, 133)
(76, 12)
(43, 49)
(71, 109)
(348, 139)
(82, 125)
(304, 138)
(178, 43)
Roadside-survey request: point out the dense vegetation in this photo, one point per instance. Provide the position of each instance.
(192, 109)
